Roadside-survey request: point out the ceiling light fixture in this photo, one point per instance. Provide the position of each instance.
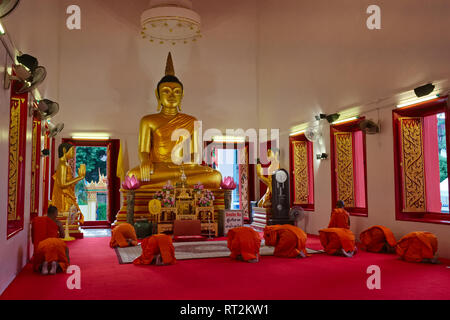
(416, 101)
(170, 21)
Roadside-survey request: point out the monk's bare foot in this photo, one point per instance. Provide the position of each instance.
(159, 261)
(301, 255)
(44, 269)
(253, 260)
(347, 254)
(54, 267)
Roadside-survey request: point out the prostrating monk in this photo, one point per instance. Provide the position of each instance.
(159, 160)
(157, 249)
(339, 217)
(289, 241)
(53, 252)
(378, 239)
(244, 244)
(338, 241)
(419, 246)
(48, 248)
(123, 235)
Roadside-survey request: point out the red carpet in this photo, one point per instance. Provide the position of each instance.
(317, 277)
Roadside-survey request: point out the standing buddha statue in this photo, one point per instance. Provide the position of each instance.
(63, 196)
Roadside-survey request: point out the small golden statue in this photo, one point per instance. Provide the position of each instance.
(155, 146)
(266, 200)
(63, 196)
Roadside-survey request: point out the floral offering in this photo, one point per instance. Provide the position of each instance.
(168, 202)
(198, 187)
(131, 183)
(159, 195)
(168, 186)
(228, 183)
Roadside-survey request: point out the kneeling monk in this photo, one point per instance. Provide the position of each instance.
(158, 250)
(418, 246)
(338, 241)
(123, 235)
(340, 218)
(378, 239)
(53, 252)
(244, 244)
(289, 241)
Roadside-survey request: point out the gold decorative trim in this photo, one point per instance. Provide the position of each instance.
(344, 167)
(300, 172)
(412, 162)
(14, 128)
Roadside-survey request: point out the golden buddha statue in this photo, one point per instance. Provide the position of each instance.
(63, 196)
(266, 200)
(155, 146)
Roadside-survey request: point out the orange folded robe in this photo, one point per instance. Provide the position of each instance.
(376, 238)
(288, 240)
(335, 239)
(43, 228)
(245, 242)
(339, 219)
(51, 249)
(121, 233)
(157, 244)
(416, 246)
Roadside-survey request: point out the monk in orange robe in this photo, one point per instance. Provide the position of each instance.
(339, 217)
(51, 251)
(157, 249)
(378, 239)
(123, 236)
(289, 241)
(418, 246)
(46, 227)
(338, 241)
(42, 229)
(244, 244)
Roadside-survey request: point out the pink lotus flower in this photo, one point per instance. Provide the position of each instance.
(228, 183)
(131, 183)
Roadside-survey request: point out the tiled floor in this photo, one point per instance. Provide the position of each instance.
(96, 233)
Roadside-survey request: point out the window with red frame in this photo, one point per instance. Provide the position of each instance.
(302, 172)
(420, 161)
(348, 166)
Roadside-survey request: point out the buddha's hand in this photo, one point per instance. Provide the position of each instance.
(146, 170)
(82, 170)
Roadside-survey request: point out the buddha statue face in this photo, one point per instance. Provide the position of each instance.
(69, 153)
(169, 95)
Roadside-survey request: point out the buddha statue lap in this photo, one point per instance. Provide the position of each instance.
(155, 140)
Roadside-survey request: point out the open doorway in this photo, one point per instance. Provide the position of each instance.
(98, 194)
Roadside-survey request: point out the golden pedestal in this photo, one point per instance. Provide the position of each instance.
(74, 228)
(142, 198)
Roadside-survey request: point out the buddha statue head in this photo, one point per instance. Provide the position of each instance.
(66, 150)
(169, 91)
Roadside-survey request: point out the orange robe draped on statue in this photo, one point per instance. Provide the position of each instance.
(244, 241)
(339, 219)
(51, 249)
(335, 239)
(288, 240)
(121, 233)
(157, 244)
(416, 246)
(376, 238)
(43, 228)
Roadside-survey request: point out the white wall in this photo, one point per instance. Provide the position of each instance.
(13, 252)
(318, 56)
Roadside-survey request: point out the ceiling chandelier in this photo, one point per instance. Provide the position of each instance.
(170, 21)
